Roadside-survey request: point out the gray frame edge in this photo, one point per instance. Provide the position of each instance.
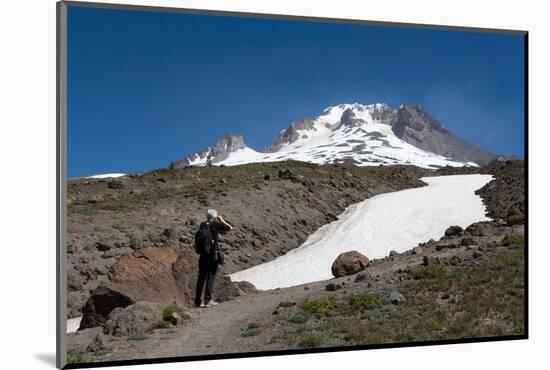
(288, 17)
(61, 188)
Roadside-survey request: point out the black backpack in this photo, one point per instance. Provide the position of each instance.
(203, 239)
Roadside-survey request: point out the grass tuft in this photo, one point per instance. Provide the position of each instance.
(430, 273)
(364, 301)
(320, 307)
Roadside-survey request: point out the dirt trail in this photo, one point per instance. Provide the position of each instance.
(222, 328)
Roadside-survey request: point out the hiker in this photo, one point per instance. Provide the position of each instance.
(210, 255)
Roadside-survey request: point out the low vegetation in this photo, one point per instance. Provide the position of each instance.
(430, 272)
(320, 307)
(170, 310)
(481, 298)
(360, 302)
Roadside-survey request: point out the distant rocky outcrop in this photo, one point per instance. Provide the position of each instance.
(349, 263)
(504, 196)
(225, 145)
(419, 128)
(290, 134)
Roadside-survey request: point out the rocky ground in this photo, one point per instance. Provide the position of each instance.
(273, 206)
(470, 283)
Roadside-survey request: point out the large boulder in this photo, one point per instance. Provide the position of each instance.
(144, 275)
(159, 275)
(137, 318)
(453, 231)
(349, 263)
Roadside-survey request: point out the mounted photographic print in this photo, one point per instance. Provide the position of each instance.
(235, 184)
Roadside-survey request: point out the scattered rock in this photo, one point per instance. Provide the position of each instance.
(267, 177)
(453, 231)
(395, 297)
(332, 287)
(467, 241)
(286, 174)
(96, 344)
(417, 250)
(176, 319)
(475, 230)
(426, 261)
(393, 253)
(95, 199)
(74, 281)
(137, 318)
(441, 247)
(115, 184)
(169, 232)
(349, 263)
(362, 276)
(102, 247)
(109, 254)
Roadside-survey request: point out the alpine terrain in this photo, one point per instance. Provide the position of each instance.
(364, 135)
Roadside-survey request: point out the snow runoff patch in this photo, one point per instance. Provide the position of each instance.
(73, 324)
(392, 221)
(106, 175)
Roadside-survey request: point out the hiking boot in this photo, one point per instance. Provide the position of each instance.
(211, 303)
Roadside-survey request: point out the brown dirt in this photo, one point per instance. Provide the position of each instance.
(467, 284)
(266, 321)
(162, 208)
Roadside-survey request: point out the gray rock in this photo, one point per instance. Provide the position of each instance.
(362, 276)
(441, 247)
(395, 297)
(418, 128)
(393, 253)
(453, 231)
(96, 344)
(467, 241)
(417, 250)
(137, 318)
(332, 287)
(115, 184)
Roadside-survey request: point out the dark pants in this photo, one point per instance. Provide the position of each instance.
(207, 272)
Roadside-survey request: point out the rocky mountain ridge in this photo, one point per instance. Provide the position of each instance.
(364, 135)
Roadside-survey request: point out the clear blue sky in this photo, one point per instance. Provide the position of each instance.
(147, 88)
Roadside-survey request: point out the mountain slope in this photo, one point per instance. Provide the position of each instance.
(365, 135)
(418, 128)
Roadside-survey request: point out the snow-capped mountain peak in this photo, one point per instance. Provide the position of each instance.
(365, 135)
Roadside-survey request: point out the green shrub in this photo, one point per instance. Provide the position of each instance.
(364, 301)
(251, 332)
(75, 356)
(169, 310)
(320, 307)
(430, 272)
(163, 324)
(511, 241)
(310, 340)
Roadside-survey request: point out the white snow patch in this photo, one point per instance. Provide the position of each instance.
(73, 324)
(106, 175)
(392, 221)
